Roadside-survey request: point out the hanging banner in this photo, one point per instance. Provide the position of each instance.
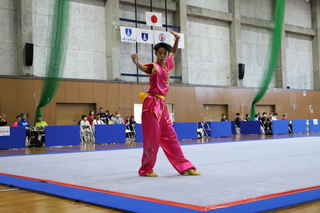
(154, 19)
(145, 36)
(5, 131)
(160, 36)
(181, 40)
(128, 34)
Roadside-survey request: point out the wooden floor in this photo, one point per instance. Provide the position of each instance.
(28, 202)
(14, 200)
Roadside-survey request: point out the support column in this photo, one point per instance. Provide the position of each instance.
(315, 11)
(113, 55)
(281, 69)
(235, 42)
(181, 59)
(24, 34)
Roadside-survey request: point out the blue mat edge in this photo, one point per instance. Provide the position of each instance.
(98, 198)
(137, 205)
(272, 203)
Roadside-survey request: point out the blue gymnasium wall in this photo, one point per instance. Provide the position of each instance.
(111, 133)
(17, 139)
(62, 135)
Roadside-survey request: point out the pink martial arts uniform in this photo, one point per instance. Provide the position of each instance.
(157, 127)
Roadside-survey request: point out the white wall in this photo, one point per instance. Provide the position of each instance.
(298, 12)
(220, 5)
(299, 61)
(261, 9)
(85, 57)
(255, 50)
(8, 37)
(40, 16)
(209, 52)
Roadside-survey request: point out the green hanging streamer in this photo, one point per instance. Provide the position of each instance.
(58, 39)
(274, 53)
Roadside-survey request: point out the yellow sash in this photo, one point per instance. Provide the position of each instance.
(143, 95)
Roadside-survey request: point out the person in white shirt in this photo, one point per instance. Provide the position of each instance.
(85, 129)
(274, 117)
(96, 121)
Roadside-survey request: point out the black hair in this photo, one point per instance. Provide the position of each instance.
(22, 114)
(83, 116)
(237, 113)
(18, 116)
(166, 46)
(222, 115)
(39, 116)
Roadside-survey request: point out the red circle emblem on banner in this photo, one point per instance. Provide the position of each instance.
(154, 19)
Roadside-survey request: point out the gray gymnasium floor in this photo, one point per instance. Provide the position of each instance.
(230, 171)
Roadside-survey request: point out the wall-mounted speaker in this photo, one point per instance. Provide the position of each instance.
(29, 54)
(241, 71)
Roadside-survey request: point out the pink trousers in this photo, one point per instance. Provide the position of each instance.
(157, 130)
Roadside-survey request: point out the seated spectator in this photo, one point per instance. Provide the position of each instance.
(111, 121)
(118, 119)
(263, 121)
(259, 116)
(132, 121)
(131, 125)
(96, 121)
(274, 117)
(18, 118)
(271, 114)
(91, 117)
(247, 118)
(127, 120)
(108, 116)
(284, 116)
(268, 126)
(102, 115)
(23, 122)
(85, 128)
(237, 120)
(3, 122)
(223, 117)
(40, 127)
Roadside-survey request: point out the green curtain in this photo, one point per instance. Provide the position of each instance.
(274, 53)
(57, 41)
